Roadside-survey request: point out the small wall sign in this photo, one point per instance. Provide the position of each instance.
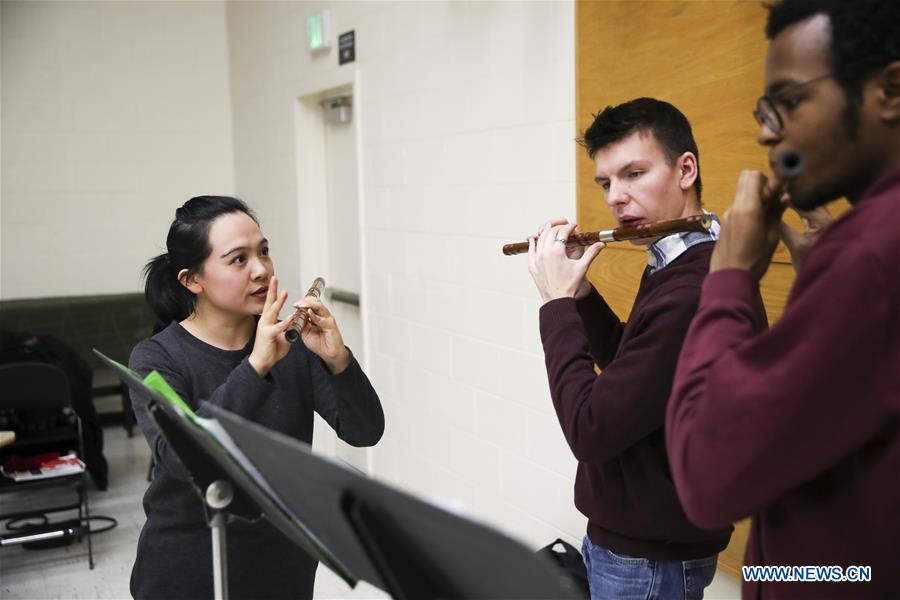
(347, 47)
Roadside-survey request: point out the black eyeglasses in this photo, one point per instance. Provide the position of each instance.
(767, 114)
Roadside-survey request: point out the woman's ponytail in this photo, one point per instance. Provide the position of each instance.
(170, 300)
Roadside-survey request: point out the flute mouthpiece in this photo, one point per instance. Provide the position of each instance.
(791, 164)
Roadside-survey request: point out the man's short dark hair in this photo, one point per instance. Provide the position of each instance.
(865, 37)
(668, 125)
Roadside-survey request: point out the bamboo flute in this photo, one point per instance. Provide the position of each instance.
(621, 234)
(301, 316)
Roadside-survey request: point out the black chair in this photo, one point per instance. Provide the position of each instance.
(43, 421)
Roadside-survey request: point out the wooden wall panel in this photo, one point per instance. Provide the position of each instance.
(706, 58)
(616, 274)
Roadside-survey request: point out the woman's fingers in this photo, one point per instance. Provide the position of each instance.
(271, 293)
(284, 324)
(316, 319)
(277, 305)
(274, 302)
(319, 315)
(315, 305)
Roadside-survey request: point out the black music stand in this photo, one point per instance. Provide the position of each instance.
(361, 529)
(405, 546)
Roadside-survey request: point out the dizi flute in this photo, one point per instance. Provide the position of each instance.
(301, 316)
(621, 234)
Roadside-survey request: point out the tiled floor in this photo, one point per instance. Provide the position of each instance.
(63, 572)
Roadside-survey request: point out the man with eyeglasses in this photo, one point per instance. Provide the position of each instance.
(798, 424)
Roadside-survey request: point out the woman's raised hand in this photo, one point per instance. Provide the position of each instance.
(322, 336)
(270, 345)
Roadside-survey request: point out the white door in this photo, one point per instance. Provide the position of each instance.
(342, 207)
(343, 231)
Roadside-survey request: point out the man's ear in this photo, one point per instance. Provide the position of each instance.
(888, 82)
(688, 169)
(189, 281)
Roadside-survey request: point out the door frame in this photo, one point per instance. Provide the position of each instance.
(311, 189)
(309, 144)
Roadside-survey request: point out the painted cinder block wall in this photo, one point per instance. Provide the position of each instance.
(466, 125)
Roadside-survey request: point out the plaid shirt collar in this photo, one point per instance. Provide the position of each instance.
(662, 252)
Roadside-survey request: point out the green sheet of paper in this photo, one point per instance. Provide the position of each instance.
(156, 382)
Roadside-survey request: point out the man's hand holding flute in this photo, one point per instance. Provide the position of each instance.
(559, 270)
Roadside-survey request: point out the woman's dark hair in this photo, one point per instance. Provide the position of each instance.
(187, 247)
(645, 115)
(865, 37)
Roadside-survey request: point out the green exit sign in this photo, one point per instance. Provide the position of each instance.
(318, 31)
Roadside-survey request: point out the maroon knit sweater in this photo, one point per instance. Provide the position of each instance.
(613, 422)
(799, 424)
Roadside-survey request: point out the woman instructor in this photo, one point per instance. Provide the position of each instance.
(216, 294)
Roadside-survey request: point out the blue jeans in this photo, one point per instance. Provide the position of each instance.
(617, 577)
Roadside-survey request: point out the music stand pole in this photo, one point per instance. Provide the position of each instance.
(218, 496)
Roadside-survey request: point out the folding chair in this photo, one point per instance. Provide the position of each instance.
(39, 393)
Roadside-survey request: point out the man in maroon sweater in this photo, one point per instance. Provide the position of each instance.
(798, 424)
(639, 542)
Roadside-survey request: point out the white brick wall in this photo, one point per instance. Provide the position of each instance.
(114, 114)
(467, 127)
